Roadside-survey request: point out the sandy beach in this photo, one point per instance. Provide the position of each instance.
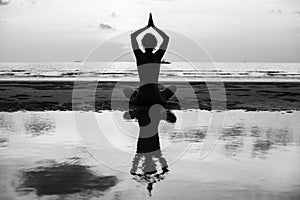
(57, 95)
(149, 100)
(51, 150)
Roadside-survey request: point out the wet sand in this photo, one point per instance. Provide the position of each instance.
(43, 157)
(51, 149)
(57, 95)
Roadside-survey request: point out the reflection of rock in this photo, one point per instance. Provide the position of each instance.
(64, 178)
(234, 139)
(269, 138)
(261, 148)
(6, 126)
(234, 147)
(191, 135)
(280, 136)
(256, 131)
(6, 123)
(233, 131)
(38, 125)
(3, 142)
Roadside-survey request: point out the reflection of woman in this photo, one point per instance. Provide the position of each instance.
(148, 64)
(148, 154)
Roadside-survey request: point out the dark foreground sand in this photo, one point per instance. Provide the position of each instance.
(57, 95)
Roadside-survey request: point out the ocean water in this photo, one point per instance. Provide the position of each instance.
(176, 71)
(42, 157)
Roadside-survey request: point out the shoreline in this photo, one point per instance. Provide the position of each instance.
(58, 95)
(165, 80)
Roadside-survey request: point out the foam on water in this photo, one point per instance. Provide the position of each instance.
(177, 71)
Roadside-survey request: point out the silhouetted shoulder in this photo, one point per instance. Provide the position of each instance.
(160, 53)
(137, 52)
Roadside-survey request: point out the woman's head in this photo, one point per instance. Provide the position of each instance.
(149, 41)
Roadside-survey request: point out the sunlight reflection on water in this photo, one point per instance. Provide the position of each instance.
(41, 155)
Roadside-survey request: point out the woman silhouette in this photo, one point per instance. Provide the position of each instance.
(148, 65)
(149, 165)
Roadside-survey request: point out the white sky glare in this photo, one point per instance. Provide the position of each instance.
(231, 30)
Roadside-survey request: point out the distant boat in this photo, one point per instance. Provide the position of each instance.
(164, 61)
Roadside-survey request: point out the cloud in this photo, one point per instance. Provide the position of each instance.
(4, 2)
(114, 14)
(276, 11)
(103, 26)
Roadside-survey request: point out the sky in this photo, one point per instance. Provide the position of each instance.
(229, 30)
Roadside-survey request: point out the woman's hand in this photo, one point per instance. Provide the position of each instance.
(136, 33)
(150, 21)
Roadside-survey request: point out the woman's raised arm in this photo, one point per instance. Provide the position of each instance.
(134, 35)
(165, 38)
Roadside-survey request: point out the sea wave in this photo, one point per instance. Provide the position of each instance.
(177, 71)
